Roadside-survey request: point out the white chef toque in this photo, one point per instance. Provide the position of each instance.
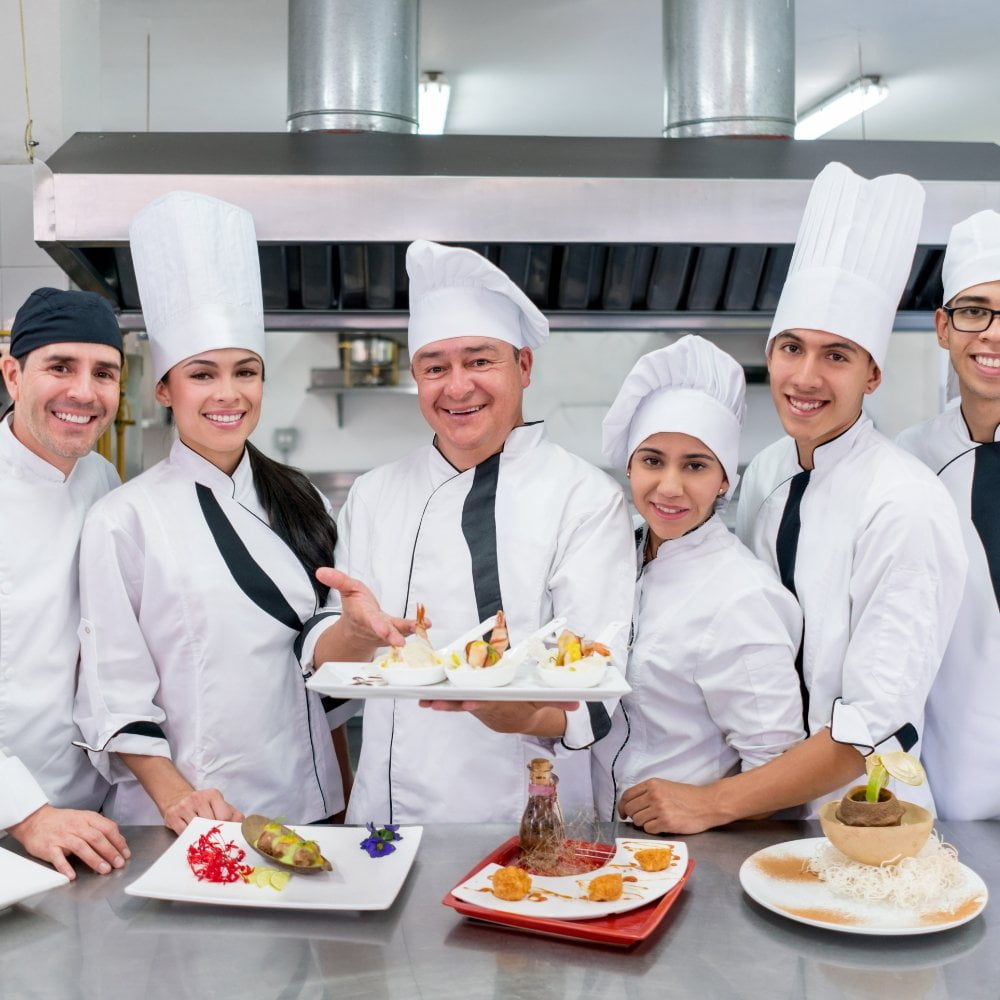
(198, 274)
(690, 387)
(973, 253)
(852, 257)
(455, 292)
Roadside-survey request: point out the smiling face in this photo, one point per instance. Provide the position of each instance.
(215, 397)
(818, 382)
(675, 480)
(66, 396)
(470, 391)
(976, 357)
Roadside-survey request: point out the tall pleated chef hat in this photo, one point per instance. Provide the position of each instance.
(973, 253)
(690, 387)
(852, 257)
(198, 273)
(455, 292)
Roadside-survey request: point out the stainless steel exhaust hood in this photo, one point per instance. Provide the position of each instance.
(603, 234)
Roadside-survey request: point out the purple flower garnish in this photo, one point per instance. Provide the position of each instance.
(379, 841)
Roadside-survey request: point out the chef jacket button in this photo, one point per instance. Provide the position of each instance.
(6, 588)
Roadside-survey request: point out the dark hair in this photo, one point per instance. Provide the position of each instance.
(296, 512)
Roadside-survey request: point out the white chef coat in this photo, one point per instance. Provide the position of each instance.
(879, 573)
(712, 669)
(178, 655)
(961, 749)
(563, 546)
(42, 516)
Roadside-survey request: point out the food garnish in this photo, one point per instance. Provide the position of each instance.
(897, 765)
(212, 858)
(571, 648)
(380, 840)
(416, 651)
(480, 653)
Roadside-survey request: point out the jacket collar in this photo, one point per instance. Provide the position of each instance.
(520, 441)
(239, 485)
(828, 455)
(28, 465)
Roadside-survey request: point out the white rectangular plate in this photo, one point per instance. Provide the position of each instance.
(21, 878)
(357, 882)
(339, 681)
(570, 901)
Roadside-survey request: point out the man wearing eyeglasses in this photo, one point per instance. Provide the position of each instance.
(962, 445)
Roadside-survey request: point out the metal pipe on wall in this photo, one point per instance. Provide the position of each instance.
(730, 68)
(353, 65)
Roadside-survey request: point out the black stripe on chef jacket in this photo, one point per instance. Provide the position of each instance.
(479, 527)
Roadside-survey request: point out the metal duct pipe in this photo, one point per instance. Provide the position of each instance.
(730, 67)
(353, 65)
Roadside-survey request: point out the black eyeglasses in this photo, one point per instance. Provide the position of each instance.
(971, 319)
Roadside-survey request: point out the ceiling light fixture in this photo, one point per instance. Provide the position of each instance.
(856, 98)
(432, 108)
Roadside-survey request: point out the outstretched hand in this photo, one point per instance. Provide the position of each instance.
(364, 626)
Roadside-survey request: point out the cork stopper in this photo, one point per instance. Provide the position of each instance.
(540, 769)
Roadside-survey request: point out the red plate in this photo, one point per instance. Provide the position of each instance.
(621, 929)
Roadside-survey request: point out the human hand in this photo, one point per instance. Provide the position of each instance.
(52, 834)
(530, 718)
(363, 621)
(205, 802)
(660, 806)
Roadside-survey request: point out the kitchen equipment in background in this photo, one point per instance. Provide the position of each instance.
(368, 361)
(285, 440)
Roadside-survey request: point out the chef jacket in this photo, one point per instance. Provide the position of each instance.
(549, 535)
(961, 752)
(878, 573)
(42, 514)
(183, 652)
(712, 668)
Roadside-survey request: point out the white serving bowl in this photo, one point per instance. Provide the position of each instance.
(498, 675)
(586, 672)
(400, 675)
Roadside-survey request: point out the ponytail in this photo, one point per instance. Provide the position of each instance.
(296, 512)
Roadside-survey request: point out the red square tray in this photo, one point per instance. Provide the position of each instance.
(621, 929)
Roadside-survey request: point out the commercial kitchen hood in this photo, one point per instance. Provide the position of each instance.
(602, 234)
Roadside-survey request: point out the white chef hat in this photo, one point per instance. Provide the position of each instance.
(852, 257)
(198, 274)
(456, 292)
(973, 253)
(690, 387)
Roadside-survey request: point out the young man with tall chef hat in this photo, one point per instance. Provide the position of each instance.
(962, 446)
(490, 515)
(860, 531)
(63, 373)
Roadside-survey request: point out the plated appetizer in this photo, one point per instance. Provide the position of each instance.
(283, 846)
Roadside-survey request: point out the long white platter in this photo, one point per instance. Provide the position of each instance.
(362, 680)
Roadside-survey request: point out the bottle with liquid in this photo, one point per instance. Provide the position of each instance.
(542, 836)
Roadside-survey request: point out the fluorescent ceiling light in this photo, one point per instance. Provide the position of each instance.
(856, 98)
(432, 107)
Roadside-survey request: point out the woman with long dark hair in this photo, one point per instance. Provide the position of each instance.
(201, 607)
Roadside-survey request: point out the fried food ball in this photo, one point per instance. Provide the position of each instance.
(511, 883)
(605, 888)
(654, 859)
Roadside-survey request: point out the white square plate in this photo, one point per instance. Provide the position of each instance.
(569, 892)
(357, 882)
(341, 680)
(21, 878)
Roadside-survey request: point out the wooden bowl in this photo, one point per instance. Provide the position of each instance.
(876, 845)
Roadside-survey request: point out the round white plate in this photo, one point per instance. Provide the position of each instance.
(774, 878)
(570, 901)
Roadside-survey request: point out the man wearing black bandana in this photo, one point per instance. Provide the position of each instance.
(63, 374)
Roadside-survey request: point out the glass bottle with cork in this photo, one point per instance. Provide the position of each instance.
(543, 834)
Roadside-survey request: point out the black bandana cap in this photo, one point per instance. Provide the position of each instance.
(53, 316)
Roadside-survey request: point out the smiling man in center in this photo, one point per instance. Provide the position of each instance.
(491, 515)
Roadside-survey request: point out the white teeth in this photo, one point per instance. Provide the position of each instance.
(804, 405)
(73, 418)
(474, 409)
(669, 510)
(988, 360)
(219, 418)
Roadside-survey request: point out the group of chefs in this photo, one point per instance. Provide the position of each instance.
(155, 636)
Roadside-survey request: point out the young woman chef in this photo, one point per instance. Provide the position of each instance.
(200, 608)
(712, 663)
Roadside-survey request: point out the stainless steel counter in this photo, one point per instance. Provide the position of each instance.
(89, 940)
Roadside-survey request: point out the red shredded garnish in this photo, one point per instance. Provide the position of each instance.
(213, 859)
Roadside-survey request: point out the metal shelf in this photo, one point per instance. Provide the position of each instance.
(361, 390)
